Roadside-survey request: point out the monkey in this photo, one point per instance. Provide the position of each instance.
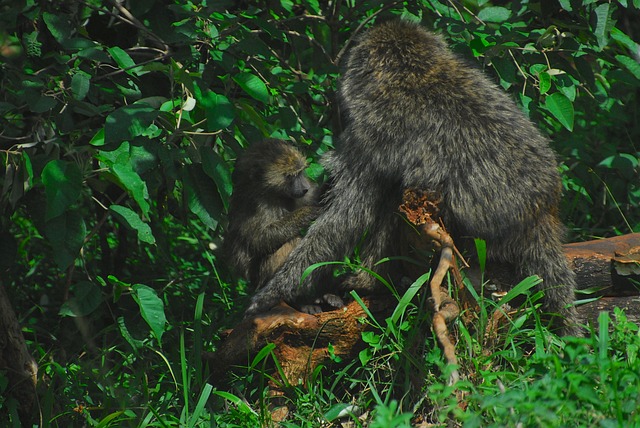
(272, 203)
(419, 116)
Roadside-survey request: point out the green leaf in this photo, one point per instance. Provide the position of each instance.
(57, 26)
(338, 410)
(494, 14)
(151, 308)
(32, 45)
(98, 139)
(80, 83)
(216, 168)
(566, 5)
(567, 86)
(121, 164)
(520, 289)
(626, 164)
(27, 171)
(133, 183)
(480, 44)
(41, 104)
(239, 402)
(625, 40)
(202, 401)
(219, 110)
(620, 160)
(201, 200)
(407, 297)
(6, 107)
(124, 331)
(365, 356)
(253, 85)
(560, 106)
(630, 64)
(62, 184)
(545, 82)
(604, 23)
(132, 220)
(87, 297)
(128, 122)
(481, 251)
(66, 234)
(123, 60)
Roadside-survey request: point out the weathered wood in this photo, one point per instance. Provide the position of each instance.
(630, 304)
(608, 265)
(301, 340)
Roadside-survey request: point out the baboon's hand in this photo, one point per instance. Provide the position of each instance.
(325, 302)
(261, 302)
(332, 300)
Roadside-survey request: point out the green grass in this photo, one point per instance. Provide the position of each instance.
(137, 376)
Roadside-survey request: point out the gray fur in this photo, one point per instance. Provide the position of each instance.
(419, 116)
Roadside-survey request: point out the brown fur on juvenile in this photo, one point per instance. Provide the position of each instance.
(273, 203)
(418, 116)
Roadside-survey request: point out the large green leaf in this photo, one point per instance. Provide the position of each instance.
(134, 184)
(57, 26)
(121, 165)
(494, 14)
(253, 85)
(630, 64)
(545, 82)
(604, 23)
(219, 110)
(128, 122)
(132, 220)
(201, 200)
(560, 106)
(80, 83)
(216, 168)
(151, 308)
(123, 60)
(39, 103)
(87, 297)
(62, 184)
(66, 234)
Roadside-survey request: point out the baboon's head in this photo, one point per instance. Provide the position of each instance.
(277, 166)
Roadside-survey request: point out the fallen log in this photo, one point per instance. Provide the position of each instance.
(608, 268)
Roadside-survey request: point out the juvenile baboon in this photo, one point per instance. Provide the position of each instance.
(273, 203)
(418, 116)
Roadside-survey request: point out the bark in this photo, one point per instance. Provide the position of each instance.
(15, 360)
(606, 267)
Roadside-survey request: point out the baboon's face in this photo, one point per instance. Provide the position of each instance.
(286, 174)
(298, 185)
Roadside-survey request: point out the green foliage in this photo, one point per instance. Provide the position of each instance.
(119, 125)
(589, 381)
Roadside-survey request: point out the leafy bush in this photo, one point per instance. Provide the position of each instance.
(119, 126)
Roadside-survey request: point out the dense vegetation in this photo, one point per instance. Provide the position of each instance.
(119, 124)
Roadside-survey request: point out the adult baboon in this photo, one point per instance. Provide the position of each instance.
(418, 116)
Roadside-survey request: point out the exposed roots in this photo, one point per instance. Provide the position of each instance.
(420, 207)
